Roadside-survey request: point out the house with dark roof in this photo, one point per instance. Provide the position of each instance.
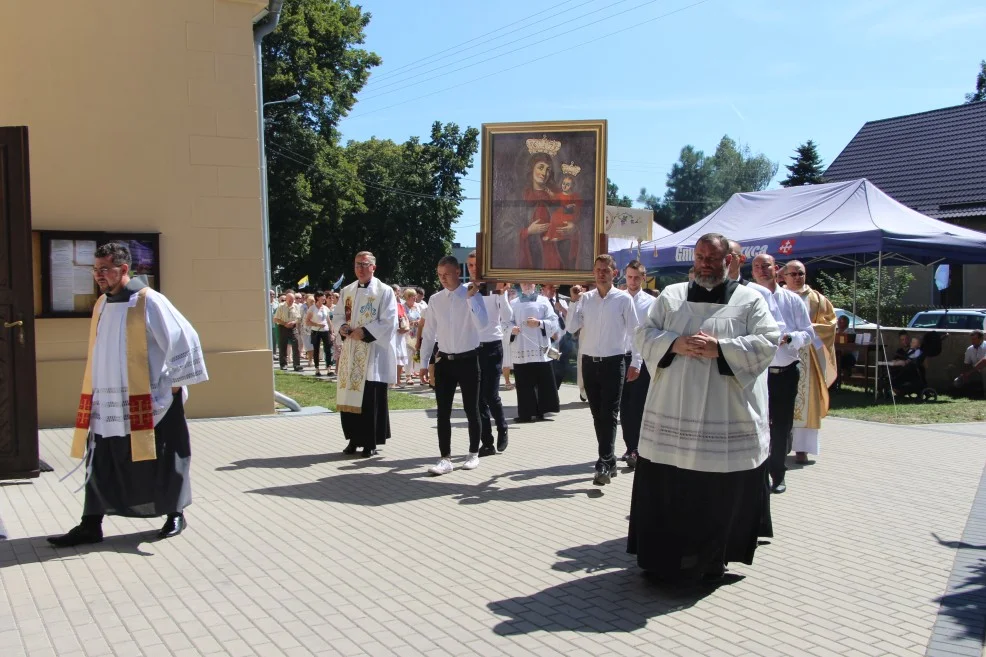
(935, 163)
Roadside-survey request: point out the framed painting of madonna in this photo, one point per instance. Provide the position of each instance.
(544, 200)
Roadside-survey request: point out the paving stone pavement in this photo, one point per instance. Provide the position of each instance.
(293, 549)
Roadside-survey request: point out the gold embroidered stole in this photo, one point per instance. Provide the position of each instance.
(354, 357)
(141, 405)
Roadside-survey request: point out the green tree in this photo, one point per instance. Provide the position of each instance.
(613, 196)
(313, 53)
(894, 283)
(697, 184)
(980, 94)
(736, 169)
(410, 200)
(806, 168)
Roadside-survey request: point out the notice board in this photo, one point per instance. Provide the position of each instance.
(68, 288)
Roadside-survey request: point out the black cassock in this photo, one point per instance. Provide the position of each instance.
(685, 524)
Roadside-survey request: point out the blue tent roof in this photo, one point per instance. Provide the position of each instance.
(842, 223)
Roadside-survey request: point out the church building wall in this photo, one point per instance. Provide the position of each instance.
(142, 117)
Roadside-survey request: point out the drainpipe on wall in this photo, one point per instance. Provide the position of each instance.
(260, 30)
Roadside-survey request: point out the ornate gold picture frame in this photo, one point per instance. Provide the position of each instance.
(543, 200)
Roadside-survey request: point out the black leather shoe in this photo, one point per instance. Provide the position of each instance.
(174, 525)
(604, 474)
(350, 449)
(632, 460)
(367, 453)
(78, 535)
(501, 442)
(779, 488)
(487, 450)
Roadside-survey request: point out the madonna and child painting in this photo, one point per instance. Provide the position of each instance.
(543, 198)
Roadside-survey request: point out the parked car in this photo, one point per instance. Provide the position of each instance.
(962, 318)
(855, 321)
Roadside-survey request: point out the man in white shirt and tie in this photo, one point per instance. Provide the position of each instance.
(456, 315)
(491, 364)
(634, 392)
(608, 320)
(792, 318)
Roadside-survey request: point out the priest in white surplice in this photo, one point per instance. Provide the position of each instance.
(130, 425)
(699, 494)
(368, 359)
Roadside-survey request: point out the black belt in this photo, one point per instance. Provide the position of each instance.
(491, 343)
(602, 359)
(464, 354)
(778, 370)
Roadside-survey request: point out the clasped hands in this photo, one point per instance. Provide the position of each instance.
(349, 332)
(700, 345)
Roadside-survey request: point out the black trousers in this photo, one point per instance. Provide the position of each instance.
(490, 406)
(603, 379)
(285, 337)
(464, 373)
(632, 406)
(782, 389)
(322, 337)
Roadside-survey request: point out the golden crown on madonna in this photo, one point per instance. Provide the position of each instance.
(543, 145)
(571, 169)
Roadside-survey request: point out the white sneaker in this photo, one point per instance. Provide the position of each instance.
(442, 467)
(472, 462)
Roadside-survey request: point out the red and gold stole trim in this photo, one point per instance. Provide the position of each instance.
(82, 416)
(142, 443)
(139, 382)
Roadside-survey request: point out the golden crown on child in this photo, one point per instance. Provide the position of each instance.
(571, 169)
(543, 145)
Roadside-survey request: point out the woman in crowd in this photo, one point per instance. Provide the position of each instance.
(400, 338)
(412, 309)
(509, 294)
(317, 321)
(533, 324)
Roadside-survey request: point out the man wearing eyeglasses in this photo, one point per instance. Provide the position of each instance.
(368, 358)
(130, 426)
(818, 365)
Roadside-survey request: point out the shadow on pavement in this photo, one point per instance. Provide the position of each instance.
(964, 604)
(362, 486)
(288, 462)
(35, 549)
(618, 599)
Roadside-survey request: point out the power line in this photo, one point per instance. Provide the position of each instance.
(303, 161)
(389, 74)
(510, 68)
(504, 45)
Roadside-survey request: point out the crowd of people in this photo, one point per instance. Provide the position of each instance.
(713, 383)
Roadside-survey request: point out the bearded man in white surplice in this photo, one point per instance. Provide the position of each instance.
(700, 490)
(130, 426)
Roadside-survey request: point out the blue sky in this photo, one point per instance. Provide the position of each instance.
(665, 73)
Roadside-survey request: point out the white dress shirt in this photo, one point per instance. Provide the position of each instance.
(641, 304)
(499, 314)
(791, 315)
(973, 355)
(454, 321)
(607, 323)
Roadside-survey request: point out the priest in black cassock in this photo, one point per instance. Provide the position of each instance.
(698, 494)
(130, 425)
(368, 358)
